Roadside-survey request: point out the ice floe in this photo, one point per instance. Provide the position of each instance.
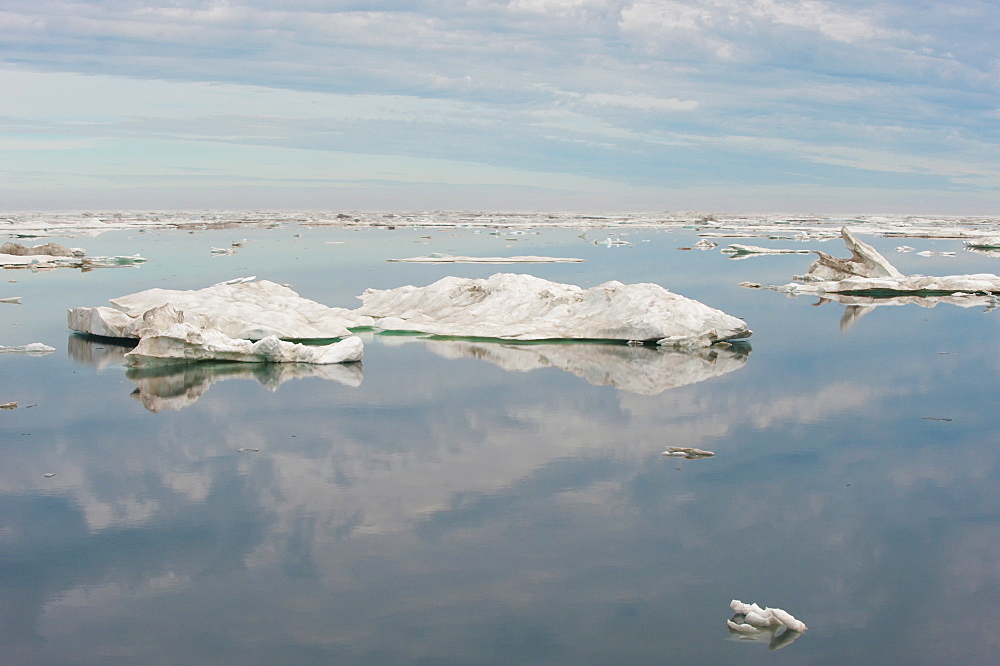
(32, 349)
(236, 309)
(54, 255)
(738, 251)
(524, 307)
(438, 258)
(868, 273)
(755, 617)
(751, 622)
(988, 243)
(184, 342)
(687, 452)
(642, 370)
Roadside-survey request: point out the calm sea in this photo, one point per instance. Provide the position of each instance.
(463, 502)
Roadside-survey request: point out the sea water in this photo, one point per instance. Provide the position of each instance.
(481, 503)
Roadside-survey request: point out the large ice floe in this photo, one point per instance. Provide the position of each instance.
(248, 321)
(523, 307)
(868, 274)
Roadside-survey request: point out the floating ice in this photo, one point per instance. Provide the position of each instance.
(34, 349)
(182, 343)
(743, 251)
(237, 309)
(523, 307)
(869, 273)
(48, 249)
(687, 452)
(437, 258)
(756, 617)
(988, 243)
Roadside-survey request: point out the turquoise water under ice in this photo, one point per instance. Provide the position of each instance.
(452, 502)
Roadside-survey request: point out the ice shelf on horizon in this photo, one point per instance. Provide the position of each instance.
(523, 307)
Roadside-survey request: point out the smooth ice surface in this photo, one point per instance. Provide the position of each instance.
(867, 271)
(182, 342)
(249, 310)
(524, 307)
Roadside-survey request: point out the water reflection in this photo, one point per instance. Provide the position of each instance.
(858, 306)
(644, 370)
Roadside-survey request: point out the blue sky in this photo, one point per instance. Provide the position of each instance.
(591, 105)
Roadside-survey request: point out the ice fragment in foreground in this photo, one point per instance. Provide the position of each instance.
(524, 307)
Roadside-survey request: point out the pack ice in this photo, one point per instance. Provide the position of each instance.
(523, 307)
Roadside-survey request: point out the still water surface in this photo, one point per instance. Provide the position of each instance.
(462, 502)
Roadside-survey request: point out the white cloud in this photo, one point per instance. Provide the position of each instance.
(641, 101)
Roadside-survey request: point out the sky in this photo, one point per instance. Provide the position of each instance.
(792, 106)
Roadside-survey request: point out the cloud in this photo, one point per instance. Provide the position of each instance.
(625, 92)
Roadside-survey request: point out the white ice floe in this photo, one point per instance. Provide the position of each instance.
(988, 243)
(751, 618)
(33, 349)
(437, 258)
(687, 452)
(46, 250)
(869, 273)
(642, 370)
(237, 309)
(182, 343)
(524, 307)
(743, 251)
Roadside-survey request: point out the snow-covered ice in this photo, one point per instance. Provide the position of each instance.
(237, 309)
(524, 307)
(183, 342)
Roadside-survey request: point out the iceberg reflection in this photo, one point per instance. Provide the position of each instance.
(644, 370)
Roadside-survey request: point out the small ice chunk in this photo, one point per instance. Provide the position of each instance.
(34, 348)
